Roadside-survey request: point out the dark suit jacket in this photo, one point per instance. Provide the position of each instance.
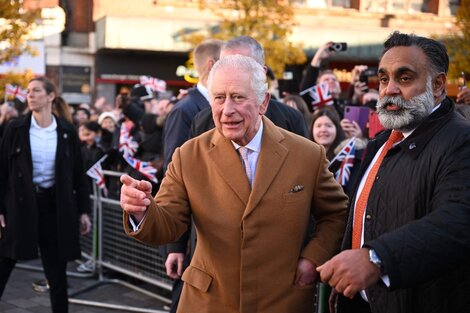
(18, 199)
(249, 241)
(280, 114)
(178, 123)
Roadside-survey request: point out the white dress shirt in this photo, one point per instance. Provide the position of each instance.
(204, 91)
(43, 143)
(253, 149)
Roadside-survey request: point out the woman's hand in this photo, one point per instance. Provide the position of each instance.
(85, 224)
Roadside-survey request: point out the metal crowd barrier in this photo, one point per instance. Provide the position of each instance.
(108, 247)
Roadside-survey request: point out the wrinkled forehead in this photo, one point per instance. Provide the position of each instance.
(404, 57)
(227, 77)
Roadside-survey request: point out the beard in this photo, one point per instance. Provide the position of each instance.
(410, 112)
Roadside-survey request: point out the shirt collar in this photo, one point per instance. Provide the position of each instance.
(204, 91)
(52, 127)
(255, 143)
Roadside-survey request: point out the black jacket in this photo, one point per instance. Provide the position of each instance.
(17, 198)
(418, 218)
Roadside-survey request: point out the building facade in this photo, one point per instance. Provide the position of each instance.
(93, 48)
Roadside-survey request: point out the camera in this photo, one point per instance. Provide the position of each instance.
(366, 75)
(338, 46)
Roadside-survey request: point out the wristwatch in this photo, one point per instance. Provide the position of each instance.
(374, 259)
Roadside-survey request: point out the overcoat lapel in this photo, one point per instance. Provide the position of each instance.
(25, 143)
(271, 158)
(229, 166)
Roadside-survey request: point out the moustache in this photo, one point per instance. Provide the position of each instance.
(401, 103)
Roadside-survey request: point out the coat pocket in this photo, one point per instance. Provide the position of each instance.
(197, 278)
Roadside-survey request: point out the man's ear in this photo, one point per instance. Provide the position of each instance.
(264, 106)
(210, 64)
(439, 85)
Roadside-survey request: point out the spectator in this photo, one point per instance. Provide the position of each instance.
(81, 116)
(298, 103)
(326, 130)
(88, 134)
(43, 201)
(316, 74)
(107, 120)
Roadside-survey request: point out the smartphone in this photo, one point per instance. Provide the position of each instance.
(462, 82)
(338, 46)
(359, 114)
(375, 126)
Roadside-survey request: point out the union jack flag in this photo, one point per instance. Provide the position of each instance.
(320, 95)
(343, 162)
(16, 92)
(143, 167)
(96, 172)
(127, 144)
(154, 83)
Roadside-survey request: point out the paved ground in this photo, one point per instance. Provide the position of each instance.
(19, 296)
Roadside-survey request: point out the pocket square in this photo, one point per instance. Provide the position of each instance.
(296, 188)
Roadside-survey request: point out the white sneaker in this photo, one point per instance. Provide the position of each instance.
(41, 286)
(87, 267)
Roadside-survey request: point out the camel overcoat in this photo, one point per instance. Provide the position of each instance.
(248, 241)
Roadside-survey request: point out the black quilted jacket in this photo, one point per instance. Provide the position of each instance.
(418, 218)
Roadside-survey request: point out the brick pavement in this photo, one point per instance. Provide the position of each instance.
(19, 296)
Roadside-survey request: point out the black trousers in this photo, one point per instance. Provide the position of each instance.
(355, 305)
(54, 268)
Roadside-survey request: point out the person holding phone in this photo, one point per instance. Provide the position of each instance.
(315, 74)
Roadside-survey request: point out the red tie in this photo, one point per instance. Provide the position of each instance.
(361, 204)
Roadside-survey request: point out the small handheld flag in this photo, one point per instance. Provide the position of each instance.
(320, 95)
(15, 92)
(343, 162)
(143, 167)
(96, 172)
(154, 83)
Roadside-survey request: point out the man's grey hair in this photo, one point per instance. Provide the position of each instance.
(257, 51)
(247, 65)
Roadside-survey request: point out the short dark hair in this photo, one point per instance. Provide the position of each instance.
(434, 50)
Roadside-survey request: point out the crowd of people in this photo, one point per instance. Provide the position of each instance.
(259, 180)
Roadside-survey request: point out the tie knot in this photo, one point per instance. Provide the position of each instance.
(243, 151)
(395, 136)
